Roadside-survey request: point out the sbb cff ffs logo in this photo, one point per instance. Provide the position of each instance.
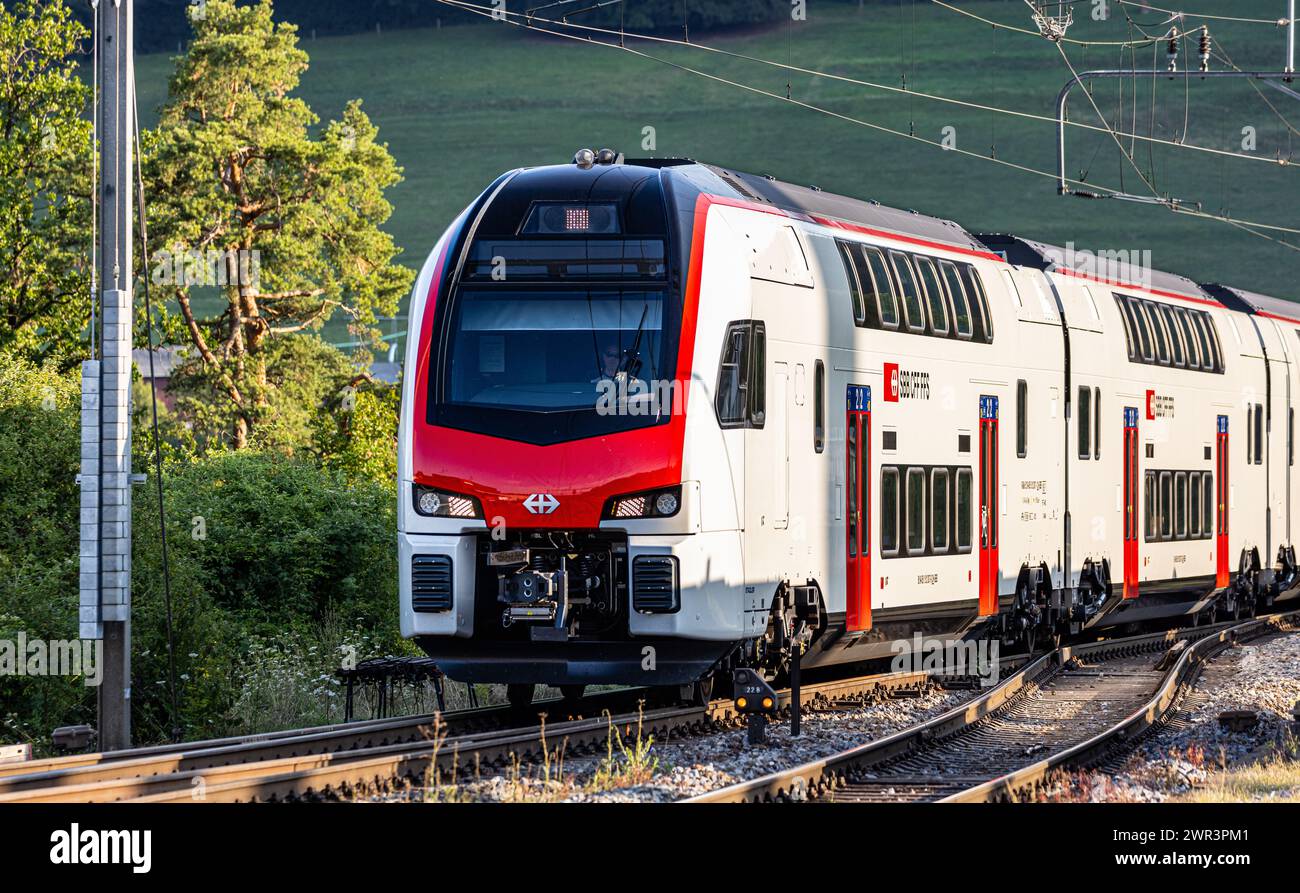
(905, 384)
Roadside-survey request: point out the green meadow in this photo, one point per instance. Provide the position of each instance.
(458, 105)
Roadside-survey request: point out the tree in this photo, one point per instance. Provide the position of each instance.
(44, 190)
(244, 199)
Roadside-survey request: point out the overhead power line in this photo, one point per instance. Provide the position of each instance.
(536, 24)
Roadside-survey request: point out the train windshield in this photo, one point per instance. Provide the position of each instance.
(554, 349)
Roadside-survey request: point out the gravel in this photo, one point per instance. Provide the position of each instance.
(676, 769)
(1263, 676)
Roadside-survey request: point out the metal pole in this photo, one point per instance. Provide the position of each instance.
(1290, 36)
(1271, 78)
(106, 438)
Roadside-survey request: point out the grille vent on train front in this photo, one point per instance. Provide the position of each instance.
(430, 583)
(655, 588)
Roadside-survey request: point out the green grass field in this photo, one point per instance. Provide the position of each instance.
(461, 104)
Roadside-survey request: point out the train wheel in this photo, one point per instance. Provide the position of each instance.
(703, 691)
(573, 693)
(520, 696)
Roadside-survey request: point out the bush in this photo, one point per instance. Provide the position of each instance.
(263, 549)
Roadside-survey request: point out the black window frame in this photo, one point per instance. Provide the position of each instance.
(1096, 423)
(895, 258)
(952, 276)
(819, 406)
(894, 472)
(935, 492)
(1085, 422)
(1022, 418)
(939, 300)
(754, 381)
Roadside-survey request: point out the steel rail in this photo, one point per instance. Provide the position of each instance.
(470, 719)
(1033, 779)
(268, 775)
(821, 777)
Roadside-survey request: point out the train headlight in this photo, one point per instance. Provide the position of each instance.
(434, 503)
(666, 504)
(651, 504)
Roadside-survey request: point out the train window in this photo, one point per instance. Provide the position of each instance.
(961, 313)
(1180, 505)
(1193, 345)
(1022, 420)
(1096, 423)
(913, 310)
(1152, 509)
(851, 448)
(1166, 505)
(889, 511)
(939, 510)
(819, 406)
(850, 270)
(1259, 434)
(1175, 337)
(1129, 336)
(1209, 361)
(1213, 332)
(1250, 432)
(979, 304)
(935, 298)
(1143, 344)
(740, 399)
(1085, 422)
(1194, 505)
(1207, 504)
(1159, 342)
(915, 511)
(963, 509)
(883, 288)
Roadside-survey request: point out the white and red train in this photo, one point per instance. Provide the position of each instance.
(661, 418)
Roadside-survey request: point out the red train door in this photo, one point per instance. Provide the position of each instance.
(1221, 497)
(1131, 512)
(988, 506)
(857, 438)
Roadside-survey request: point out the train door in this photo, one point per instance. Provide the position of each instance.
(857, 438)
(988, 505)
(1131, 513)
(778, 421)
(1221, 499)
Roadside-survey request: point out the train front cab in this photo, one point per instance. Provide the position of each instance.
(561, 540)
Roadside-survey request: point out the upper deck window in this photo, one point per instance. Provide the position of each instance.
(1164, 335)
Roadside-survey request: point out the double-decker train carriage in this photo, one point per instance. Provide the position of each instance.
(661, 418)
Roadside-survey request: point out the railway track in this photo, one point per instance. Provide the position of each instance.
(342, 762)
(1074, 707)
(338, 737)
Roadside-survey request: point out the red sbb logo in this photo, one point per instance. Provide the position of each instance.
(891, 382)
(1151, 411)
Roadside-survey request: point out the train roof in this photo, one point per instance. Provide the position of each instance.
(814, 202)
(1255, 303)
(1040, 255)
(822, 207)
